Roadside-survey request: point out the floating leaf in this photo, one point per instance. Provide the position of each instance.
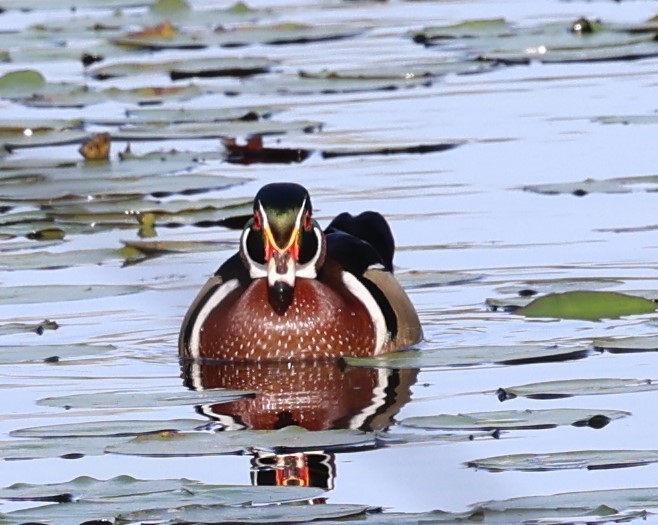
(180, 69)
(235, 442)
(588, 305)
(64, 292)
(545, 286)
(145, 399)
(580, 189)
(86, 499)
(516, 419)
(21, 83)
(20, 327)
(626, 344)
(577, 387)
(579, 459)
(22, 449)
(267, 514)
(97, 147)
(112, 428)
(471, 356)
(431, 279)
(50, 353)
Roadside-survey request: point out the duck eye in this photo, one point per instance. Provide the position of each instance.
(308, 223)
(258, 222)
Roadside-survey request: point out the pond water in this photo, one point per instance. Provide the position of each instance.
(525, 102)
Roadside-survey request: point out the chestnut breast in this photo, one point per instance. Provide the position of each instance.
(321, 322)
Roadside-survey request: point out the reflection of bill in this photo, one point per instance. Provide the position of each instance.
(315, 395)
(301, 469)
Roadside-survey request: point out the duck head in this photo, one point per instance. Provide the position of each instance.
(282, 242)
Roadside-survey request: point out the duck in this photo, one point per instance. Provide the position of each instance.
(294, 291)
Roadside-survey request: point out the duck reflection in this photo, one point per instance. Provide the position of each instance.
(315, 395)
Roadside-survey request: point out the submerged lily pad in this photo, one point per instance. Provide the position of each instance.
(471, 356)
(587, 305)
(516, 419)
(579, 459)
(141, 398)
(431, 279)
(577, 387)
(235, 442)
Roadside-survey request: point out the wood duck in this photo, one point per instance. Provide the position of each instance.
(295, 292)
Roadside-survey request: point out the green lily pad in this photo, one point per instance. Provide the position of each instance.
(19, 82)
(236, 442)
(579, 459)
(626, 344)
(267, 514)
(587, 305)
(471, 356)
(577, 387)
(516, 419)
(114, 428)
(44, 260)
(51, 353)
(143, 399)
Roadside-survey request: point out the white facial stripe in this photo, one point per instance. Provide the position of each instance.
(256, 270)
(216, 297)
(362, 294)
(308, 270)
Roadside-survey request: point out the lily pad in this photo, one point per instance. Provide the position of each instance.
(268, 514)
(580, 189)
(235, 442)
(579, 459)
(471, 356)
(114, 428)
(626, 344)
(577, 387)
(516, 419)
(86, 499)
(179, 69)
(278, 34)
(431, 279)
(23, 449)
(143, 399)
(20, 327)
(51, 353)
(587, 305)
(64, 292)
(583, 40)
